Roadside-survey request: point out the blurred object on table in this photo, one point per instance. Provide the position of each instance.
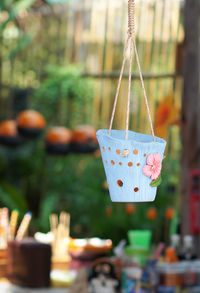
(84, 251)
(29, 263)
(62, 279)
(138, 249)
(23, 228)
(103, 277)
(58, 238)
(3, 263)
(61, 232)
(80, 284)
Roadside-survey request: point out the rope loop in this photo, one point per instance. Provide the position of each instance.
(131, 18)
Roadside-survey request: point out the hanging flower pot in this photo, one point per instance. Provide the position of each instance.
(9, 134)
(132, 165)
(30, 123)
(84, 139)
(58, 141)
(132, 160)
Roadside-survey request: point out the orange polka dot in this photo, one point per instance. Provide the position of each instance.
(135, 151)
(119, 183)
(130, 164)
(145, 155)
(103, 149)
(138, 164)
(112, 162)
(118, 152)
(120, 163)
(136, 189)
(109, 148)
(106, 162)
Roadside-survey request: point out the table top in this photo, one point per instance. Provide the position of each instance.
(6, 287)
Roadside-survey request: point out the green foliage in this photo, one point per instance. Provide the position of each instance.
(13, 8)
(64, 97)
(46, 184)
(13, 38)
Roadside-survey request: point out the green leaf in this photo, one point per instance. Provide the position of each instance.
(12, 197)
(156, 182)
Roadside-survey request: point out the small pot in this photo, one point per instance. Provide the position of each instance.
(9, 136)
(84, 139)
(30, 123)
(58, 141)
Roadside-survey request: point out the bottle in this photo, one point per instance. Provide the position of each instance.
(175, 243)
(188, 248)
(170, 255)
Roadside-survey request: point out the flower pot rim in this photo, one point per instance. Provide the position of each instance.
(105, 132)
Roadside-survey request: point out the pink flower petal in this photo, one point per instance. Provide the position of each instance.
(157, 157)
(156, 172)
(154, 176)
(158, 165)
(158, 169)
(150, 160)
(147, 171)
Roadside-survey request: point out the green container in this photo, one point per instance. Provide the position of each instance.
(138, 254)
(140, 238)
(138, 249)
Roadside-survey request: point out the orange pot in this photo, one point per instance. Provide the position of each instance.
(9, 134)
(58, 140)
(84, 139)
(30, 123)
(8, 128)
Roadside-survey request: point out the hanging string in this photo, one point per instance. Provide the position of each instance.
(131, 31)
(129, 89)
(119, 84)
(144, 91)
(131, 40)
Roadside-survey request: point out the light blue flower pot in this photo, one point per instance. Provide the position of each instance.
(125, 178)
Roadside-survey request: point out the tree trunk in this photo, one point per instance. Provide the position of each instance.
(190, 107)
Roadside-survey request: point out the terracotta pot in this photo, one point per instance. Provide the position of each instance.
(9, 134)
(58, 141)
(84, 139)
(30, 123)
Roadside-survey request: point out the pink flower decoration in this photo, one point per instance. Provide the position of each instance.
(153, 167)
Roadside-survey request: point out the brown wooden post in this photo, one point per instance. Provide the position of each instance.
(190, 106)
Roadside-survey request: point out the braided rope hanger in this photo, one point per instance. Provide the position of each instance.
(130, 41)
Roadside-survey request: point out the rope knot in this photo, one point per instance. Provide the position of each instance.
(131, 18)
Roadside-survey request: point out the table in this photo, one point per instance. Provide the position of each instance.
(6, 287)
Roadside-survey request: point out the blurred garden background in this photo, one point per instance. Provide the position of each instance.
(63, 58)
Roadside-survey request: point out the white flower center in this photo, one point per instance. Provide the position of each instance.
(153, 167)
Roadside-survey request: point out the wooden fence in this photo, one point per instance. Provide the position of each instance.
(92, 33)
